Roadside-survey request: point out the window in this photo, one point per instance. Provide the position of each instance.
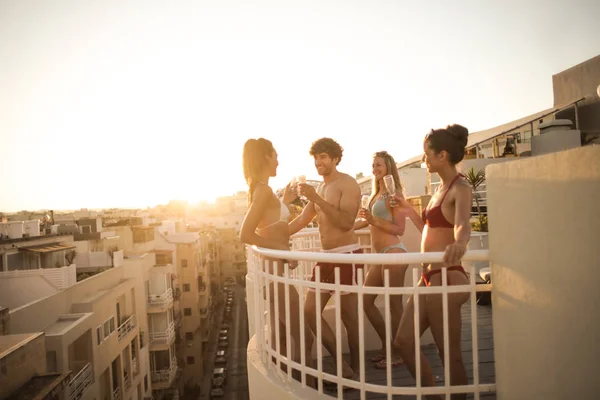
(106, 328)
(104, 331)
(145, 383)
(99, 334)
(189, 336)
(183, 263)
(190, 360)
(187, 312)
(186, 287)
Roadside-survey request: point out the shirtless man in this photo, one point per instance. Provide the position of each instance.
(335, 204)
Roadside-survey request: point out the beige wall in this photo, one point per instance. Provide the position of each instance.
(576, 82)
(544, 223)
(22, 364)
(98, 295)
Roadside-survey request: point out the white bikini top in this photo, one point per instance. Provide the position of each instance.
(284, 214)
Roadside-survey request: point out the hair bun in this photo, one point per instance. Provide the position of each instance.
(458, 132)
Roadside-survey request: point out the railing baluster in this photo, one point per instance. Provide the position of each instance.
(388, 331)
(288, 327)
(417, 318)
(474, 336)
(276, 320)
(319, 331)
(338, 333)
(447, 377)
(361, 332)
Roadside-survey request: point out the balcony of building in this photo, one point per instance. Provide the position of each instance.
(69, 347)
(81, 380)
(503, 356)
(163, 365)
(160, 302)
(127, 326)
(161, 330)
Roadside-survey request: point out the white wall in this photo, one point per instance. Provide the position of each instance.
(414, 181)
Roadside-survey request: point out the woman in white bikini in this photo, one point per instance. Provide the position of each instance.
(387, 226)
(266, 225)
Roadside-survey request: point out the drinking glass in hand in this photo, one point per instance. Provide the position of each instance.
(364, 201)
(390, 186)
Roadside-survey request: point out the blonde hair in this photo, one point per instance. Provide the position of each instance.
(390, 165)
(254, 158)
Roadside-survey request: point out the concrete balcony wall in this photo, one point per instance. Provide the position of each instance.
(544, 223)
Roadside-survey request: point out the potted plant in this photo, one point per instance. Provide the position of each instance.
(476, 179)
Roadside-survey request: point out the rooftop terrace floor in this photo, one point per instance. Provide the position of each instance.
(401, 376)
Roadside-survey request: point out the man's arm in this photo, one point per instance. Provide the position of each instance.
(344, 216)
(301, 221)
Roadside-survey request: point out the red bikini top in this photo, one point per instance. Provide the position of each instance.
(433, 217)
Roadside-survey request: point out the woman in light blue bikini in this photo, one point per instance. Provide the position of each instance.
(387, 226)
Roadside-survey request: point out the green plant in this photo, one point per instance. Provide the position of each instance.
(70, 256)
(476, 179)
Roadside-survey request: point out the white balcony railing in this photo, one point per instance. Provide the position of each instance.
(162, 337)
(80, 382)
(165, 375)
(271, 301)
(161, 300)
(117, 393)
(126, 327)
(127, 382)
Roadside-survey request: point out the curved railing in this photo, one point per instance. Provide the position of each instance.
(266, 292)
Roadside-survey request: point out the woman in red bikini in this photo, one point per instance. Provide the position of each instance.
(446, 228)
(266, 225)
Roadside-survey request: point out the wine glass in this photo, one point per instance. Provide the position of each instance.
(390, 185)
(364, 201)
(301, 179)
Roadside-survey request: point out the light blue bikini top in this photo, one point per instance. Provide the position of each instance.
(380, 210)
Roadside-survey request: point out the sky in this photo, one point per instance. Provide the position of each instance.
(132, 104)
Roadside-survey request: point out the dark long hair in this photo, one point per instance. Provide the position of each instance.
(254, 157)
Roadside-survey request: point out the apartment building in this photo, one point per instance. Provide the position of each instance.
(95, 330)
(23, 374)
(193, 301)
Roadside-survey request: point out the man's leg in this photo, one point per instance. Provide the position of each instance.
(327, 336)
(349, 311)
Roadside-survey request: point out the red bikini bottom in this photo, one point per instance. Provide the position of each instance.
(427, 275)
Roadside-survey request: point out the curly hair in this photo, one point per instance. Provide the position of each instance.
(328, 146)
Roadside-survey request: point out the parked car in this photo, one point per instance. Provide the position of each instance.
(219, 376)
(221, 358)
(217, 391)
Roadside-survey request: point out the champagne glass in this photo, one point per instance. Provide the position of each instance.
(390, 185)
(364, 201)
(301, 179)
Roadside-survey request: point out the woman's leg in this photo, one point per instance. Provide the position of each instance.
(396, 273)
(373, 278)
(458, 374)
(404, 341)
